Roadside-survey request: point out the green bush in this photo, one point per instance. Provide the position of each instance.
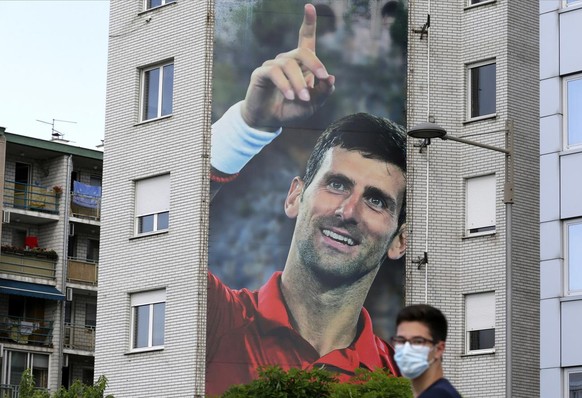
(273, 382)
(77, 389)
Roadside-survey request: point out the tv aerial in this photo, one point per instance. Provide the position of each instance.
(55, 134)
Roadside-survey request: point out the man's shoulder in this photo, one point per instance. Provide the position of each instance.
(442, 388)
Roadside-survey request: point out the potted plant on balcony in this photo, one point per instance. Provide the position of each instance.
(58, 190)
(36, 252)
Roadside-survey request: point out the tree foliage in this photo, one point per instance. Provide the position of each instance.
(77, 389)
(273, 382)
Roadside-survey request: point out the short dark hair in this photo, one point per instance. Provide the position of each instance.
(429, 316)
(374, 137)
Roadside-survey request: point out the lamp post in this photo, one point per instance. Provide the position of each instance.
(428, 131)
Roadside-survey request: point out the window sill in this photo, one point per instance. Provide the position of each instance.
(165, 231)
(480, 4)
(571, 150)
(572, 297)
(147, 349)
(153, 120)
(479, 118)
(478, 234)
(571, 7)
(489, 351)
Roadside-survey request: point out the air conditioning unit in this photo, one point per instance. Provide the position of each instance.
(69, 294)
(5, 216)
(71, 229)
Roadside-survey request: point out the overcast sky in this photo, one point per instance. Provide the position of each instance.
(53, 66)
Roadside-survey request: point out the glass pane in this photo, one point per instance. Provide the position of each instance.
(151, 92)
(145, 224)
(158, 327)
(575, 385)
(17, 366)
(575, 257)
(91, 314)
(141, 326)
(481, 339)
(574, 113)
(40, 370)
(163, 220)
(167, 89)
(483, 90)
(154, 3)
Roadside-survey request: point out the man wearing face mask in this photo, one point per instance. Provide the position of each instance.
(421, 332)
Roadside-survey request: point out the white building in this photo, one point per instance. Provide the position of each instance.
(560, 198)
(473, 70)
(48, 264)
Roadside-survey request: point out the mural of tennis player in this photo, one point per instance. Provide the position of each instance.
(349, 209)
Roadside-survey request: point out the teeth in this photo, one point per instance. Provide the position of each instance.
(338, 237)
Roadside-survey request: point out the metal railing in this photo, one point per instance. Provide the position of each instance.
(82, 271)
(26, 330)
(9, 391)
(27, 265)
(79, 337)
(85, 206)
(30, 197)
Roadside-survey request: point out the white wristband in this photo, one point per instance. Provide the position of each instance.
(234, 142)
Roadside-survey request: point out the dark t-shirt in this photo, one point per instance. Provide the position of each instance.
(440, 389)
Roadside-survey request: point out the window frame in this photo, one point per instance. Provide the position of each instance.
(143, 118)
(165, 208)
(567, 373)
(485, 229)
(566, 113)
(29, 364)
(468, 79)
(162, 3)
(470, 3)
(467, 332)
(567, 290)
(150, 299)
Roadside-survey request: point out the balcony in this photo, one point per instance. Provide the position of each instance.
(32, 263)
(86, 201)
(29, 331)
(40, 198)
(81, 271)
(79, 337)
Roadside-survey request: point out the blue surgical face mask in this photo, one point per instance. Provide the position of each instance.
(412, 361)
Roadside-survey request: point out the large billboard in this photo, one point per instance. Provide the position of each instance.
(306, 233)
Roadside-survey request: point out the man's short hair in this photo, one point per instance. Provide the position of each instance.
(429, 316)
(374, 137)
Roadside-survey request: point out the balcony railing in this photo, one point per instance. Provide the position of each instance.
(30, 197)
(85, 206)
(79, 337)
(81, 271)
(26, 330)
(27, 266)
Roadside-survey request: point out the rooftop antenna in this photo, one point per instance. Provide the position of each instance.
(55, 134)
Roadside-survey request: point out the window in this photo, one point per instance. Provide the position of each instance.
(157, 3)
(480, 205)
(573, 252)
(573, 104)
(152, 204)
(148, 319)
(18, 361)
(90, 315)
(574, 383)
(157, 91)
(481, 84)
(480, 322)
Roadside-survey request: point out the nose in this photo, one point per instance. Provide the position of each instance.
(348, 210)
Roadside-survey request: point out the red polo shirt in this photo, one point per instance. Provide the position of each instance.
(248, 329)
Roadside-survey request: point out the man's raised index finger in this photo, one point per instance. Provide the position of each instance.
(307, 31)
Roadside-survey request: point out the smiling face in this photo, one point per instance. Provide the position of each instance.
(347, 218)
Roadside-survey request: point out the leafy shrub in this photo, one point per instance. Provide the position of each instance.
(77, 389)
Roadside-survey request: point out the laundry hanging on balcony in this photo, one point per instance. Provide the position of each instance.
(86, 195)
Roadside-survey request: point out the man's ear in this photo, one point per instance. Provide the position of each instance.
(294, 197)
(398, 245)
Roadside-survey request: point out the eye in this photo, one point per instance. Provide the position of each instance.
(377, 202)
(336, 185)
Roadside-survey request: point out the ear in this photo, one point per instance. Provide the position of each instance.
(439, 350)
(398, 245)
(294, 197)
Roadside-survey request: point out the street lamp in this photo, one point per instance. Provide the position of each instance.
(428, 131)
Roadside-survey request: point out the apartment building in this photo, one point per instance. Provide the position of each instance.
(560, 198)
(473, 211)
(51, 199)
